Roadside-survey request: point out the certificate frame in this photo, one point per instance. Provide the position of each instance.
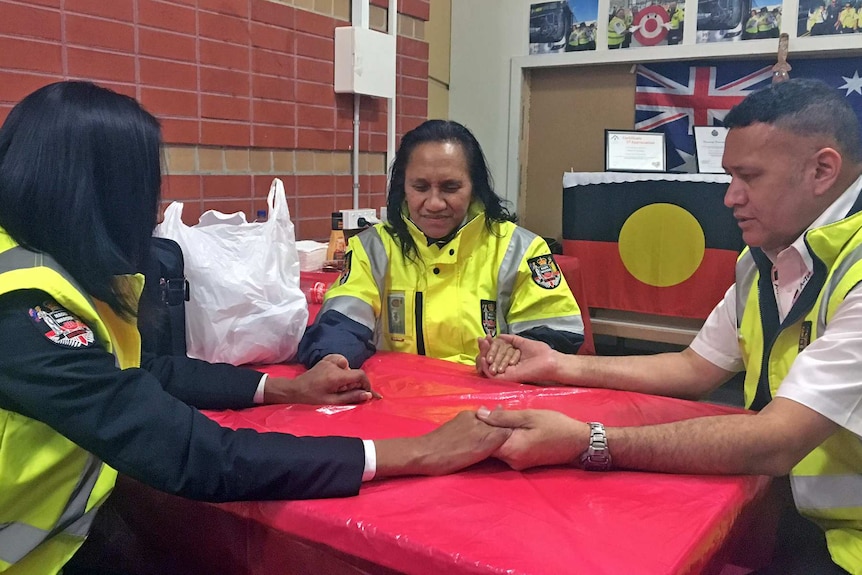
(709, 148)
(634, 151)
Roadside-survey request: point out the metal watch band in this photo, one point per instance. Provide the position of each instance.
(597, 457)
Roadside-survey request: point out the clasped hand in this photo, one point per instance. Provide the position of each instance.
(330, 382)
(516, 358)
(539, 437)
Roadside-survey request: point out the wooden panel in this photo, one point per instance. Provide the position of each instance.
(569, 110)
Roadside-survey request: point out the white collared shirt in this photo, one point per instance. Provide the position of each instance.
(827, 375)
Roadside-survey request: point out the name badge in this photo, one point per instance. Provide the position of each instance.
(804, 335)
(396, 310)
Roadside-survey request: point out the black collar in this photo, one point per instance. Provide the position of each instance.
(440, 242)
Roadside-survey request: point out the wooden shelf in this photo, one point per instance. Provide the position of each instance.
(631, 325)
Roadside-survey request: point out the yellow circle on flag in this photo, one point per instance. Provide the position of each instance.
(661, 244)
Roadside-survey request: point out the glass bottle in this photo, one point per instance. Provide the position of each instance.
(336, 247)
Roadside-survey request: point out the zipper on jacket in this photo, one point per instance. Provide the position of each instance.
(420, 337)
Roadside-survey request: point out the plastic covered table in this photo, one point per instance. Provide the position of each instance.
(488, 519)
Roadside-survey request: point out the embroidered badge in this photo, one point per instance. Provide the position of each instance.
(60, 326)
(395, 309)
(489, 317)
(345, 271)
(804, 335)
(545, 272)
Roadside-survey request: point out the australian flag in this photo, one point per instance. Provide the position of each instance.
(674, 97)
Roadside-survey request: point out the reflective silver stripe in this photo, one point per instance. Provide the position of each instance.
(837, 275)
(18, 258)
(372, 243)
(19, 539)
(508, 274)
(353, 307)
(827, 491)
(570, 323)
(746, 272)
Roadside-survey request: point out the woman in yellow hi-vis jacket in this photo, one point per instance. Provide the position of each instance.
(448, 268)
(79, 194)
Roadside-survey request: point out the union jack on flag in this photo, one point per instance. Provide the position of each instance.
(674, 97)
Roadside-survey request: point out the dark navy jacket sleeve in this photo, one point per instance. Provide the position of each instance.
(562, 341)
(129, 419)
(334, 332)
(201, 384)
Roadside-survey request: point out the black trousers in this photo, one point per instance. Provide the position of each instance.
(800, 546)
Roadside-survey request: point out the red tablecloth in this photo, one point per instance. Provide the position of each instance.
(487, 519)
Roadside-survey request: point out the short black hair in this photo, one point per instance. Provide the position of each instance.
(80, 180)
(805, 107)
(480, 176)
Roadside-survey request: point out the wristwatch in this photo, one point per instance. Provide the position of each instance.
(597, 457)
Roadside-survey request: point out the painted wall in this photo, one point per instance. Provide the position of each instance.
(486, 34)
(243, 88)
(439, 45)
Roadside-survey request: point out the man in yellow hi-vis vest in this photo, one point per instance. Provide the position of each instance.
(617, 30)
(677, 18)
(792, 322)
(847, 18)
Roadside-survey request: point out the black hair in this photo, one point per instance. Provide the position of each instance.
(80, 180)
(480, 177)
(805, 107)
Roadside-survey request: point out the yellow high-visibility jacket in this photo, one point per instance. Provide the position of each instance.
(481, 282)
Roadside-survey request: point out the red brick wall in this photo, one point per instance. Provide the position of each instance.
(231, 75)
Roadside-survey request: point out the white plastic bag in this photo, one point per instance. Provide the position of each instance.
(246, 305)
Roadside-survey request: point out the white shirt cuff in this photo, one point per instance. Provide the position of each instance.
(258, 395)
(370, 460)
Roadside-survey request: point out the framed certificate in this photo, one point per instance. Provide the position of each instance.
(629, 151)
(709, 147)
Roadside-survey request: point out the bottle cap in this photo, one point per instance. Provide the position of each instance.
(337, 221)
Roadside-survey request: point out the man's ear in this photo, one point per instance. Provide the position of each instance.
(827, 168)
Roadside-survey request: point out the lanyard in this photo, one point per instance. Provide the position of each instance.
(802, 283)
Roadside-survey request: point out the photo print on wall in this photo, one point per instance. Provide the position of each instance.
(634, 23)
(733, 20)
(563, 26)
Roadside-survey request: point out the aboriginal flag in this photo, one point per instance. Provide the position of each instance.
(649, 244)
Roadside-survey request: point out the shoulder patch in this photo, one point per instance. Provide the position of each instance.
(60, 326)
(345, 271)
(545, 271)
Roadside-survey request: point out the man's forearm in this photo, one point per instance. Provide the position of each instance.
(680, 374)
(719, 445)
(770, 442)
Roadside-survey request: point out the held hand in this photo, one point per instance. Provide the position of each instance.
(330, 382)
(495, 355)
(456, 444)
(539, 437)
(536, 362)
